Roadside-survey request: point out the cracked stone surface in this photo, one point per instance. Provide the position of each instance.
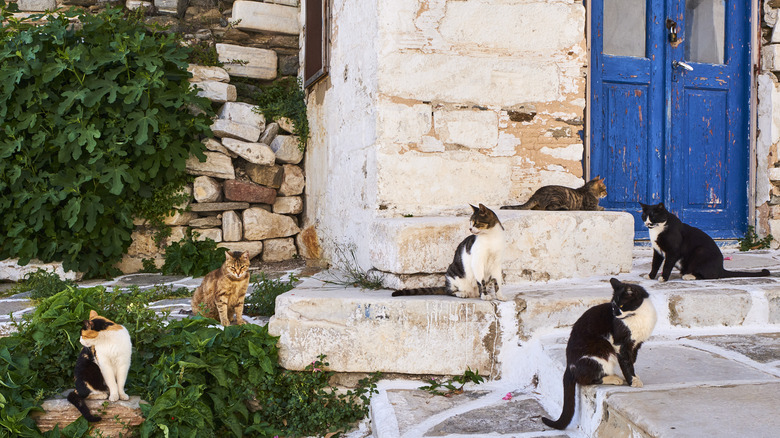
(761, 347)
(514, 416)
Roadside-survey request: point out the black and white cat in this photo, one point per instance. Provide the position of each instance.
(606, 337)
(688, 248)
(102, 366)
(476, 267)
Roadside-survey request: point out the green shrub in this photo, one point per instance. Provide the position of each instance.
(262, 300)
(752, 241)
(199, 379)
(285, 98)
(95, 126)
(41, 284)
(195, 258)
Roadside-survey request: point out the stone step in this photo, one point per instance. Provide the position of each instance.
(366, 331)
(698, 386)
(540, 246)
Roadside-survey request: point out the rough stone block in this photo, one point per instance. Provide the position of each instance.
(216, 91)
(542, 310)
(254, 248)
(240, 131)
(135, 4)
(278, 250)
(287, 149)
(271, 130)
(206, 222)
(36, 5)
(269, 176)
(293, 181)
(286, 125)
(232, 228)
(171, 7)
(773, 297)
(260, 225)
(308, 243)
(202, 73)
(207, 189)
(540, 245)
(288, 205)
(180, 218)
(216, 165)
(402, 123)
(215, 146)
(266, 17)
(709, 307)
(246, 191)
(218, 206)
(256, 63)
(367, 332)
(10, 270)
(214, 234)
(470, 128)
(256, 153)
(120, 418)
(242, 113)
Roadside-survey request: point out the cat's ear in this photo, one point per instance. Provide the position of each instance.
(661, 206)
(644, 206)
(245, 255)
(616, 284)
(228, 255)
(482, 208)
(93, 314)
(476, 209)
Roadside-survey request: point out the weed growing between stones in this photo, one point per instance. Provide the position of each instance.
(41, 284)
(199, 379)
(262, 300)
(448, 388)
(353, 274)
(286, 98)
(751, 240)
(192, 257)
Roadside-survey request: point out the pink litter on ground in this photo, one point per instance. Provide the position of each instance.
(508, 396)
(726, 258)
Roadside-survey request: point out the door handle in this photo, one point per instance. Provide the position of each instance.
(680, 64)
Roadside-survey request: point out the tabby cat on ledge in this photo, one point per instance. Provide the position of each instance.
(565, 198)
(688, 248)
(476, 267)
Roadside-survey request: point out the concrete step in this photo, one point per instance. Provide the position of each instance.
(365, 331)
(696, 386)
(540, 246)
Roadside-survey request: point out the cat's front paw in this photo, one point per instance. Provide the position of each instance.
(240, 321)
(689, 277)
(636, 383)
(123, 396)
(113, 397)
(647, 277)
(661, 279)
(488, 297)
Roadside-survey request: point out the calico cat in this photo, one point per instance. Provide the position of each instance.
(476, 267)
(606, 337)
(565, 198)
(688, 248)
(223, 290)
(102, 366)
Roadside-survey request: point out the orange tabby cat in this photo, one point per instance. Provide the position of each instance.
(223, 290)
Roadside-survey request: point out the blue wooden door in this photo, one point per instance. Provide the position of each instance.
(669, 108)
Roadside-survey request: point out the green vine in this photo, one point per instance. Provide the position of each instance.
(95, 129)
(286, 98)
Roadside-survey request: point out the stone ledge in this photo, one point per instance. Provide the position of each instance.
(362, 331)
(540, 245)
(119, 417)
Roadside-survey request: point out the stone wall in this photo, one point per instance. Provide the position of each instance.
(248, 194)
(449, 103)
(768, 111)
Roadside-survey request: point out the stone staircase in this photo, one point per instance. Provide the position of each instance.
(711, 368)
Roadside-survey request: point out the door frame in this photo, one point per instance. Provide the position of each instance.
(755, 50)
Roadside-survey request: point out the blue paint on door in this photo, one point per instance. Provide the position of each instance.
(663, 133)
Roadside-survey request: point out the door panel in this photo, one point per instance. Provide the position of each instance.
(663, 132)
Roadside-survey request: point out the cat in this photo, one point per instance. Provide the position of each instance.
(565, 198)
(223, 290)
(102, 366)
(606, 337)
(476, 267)
(688, 248)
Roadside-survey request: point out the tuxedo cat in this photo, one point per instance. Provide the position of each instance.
(565, 198)
(476, 267)
(606, 337)
(102, 366)
(688, 248)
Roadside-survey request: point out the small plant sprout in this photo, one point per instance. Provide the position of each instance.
(450, 387)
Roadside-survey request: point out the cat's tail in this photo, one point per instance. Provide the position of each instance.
(81, 405)
(421, 291)
(527, 206)
(730, 274)
(569, 385)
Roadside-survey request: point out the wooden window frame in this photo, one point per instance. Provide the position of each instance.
(316, 41)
